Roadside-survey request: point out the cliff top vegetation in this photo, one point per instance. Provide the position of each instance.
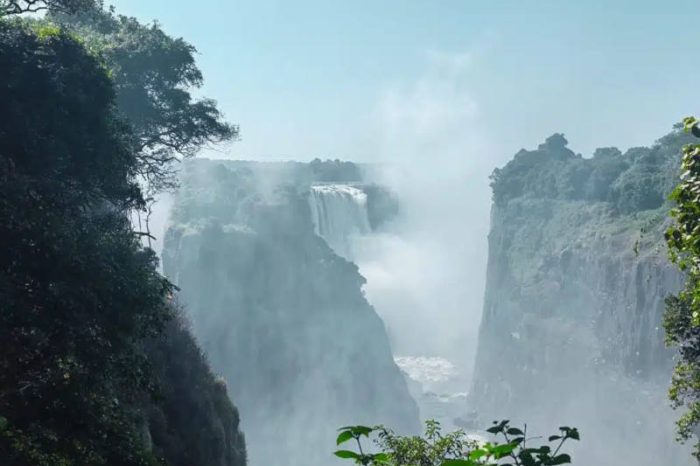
(637, 180)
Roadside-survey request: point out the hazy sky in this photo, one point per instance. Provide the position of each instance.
(331, 78)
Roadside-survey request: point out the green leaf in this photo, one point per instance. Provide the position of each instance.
(357, 431)
(543, 450)
(499, 451)
(559, 459)
(526, 458)
(347, 454)
(689, 123)
(554, 437)
(362, 430)
(344, 437)
(459, 463)
(515, 431)
(498, 427)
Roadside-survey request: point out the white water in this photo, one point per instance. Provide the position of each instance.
(438, 387)
(428, 371)
(339, 213)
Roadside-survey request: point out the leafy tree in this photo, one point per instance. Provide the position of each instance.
(192, 421)
(16, 7)
(154, 76)
(455, 448)
(682, 317)
(78, 294)
(640, 179)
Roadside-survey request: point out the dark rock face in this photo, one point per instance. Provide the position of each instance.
(193, 421)
(572, 324)
(280, 315)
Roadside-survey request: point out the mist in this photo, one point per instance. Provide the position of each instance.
(425, 270)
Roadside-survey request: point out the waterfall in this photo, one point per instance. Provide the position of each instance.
(339, 212)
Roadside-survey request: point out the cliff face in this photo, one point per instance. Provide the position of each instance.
(572, 323)
(192, 421)
(280, 315)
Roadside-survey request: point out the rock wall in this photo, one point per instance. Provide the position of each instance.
(281, 316)
(571, 332)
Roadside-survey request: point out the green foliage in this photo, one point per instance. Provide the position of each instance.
(46, 31)
(154, 76)
(78, 293)
(16, 7)
(192, 421)
(93, 368)
(632, 182)
(455, 448)
(682, 316)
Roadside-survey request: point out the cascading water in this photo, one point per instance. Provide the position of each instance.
(339, 212)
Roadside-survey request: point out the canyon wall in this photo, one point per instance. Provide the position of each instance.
(280, 314)
(577, 275)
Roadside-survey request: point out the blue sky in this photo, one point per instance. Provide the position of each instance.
(381, 80)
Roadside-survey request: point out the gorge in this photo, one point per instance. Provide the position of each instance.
(571, 330)
(281, 316)
(182, 289)
(572, 323)
(577, 277)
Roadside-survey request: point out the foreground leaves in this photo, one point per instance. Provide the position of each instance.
(682, 316)
(455, 449)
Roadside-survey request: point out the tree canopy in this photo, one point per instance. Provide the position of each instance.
(154, 76)
(640, 179)
(78, 293)
(16, 7)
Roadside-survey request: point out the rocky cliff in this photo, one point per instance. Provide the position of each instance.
(191, 421)
(280, 314)
(577, 276)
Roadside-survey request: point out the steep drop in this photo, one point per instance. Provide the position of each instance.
(339, 212)
(576, 282)
(280, 315)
